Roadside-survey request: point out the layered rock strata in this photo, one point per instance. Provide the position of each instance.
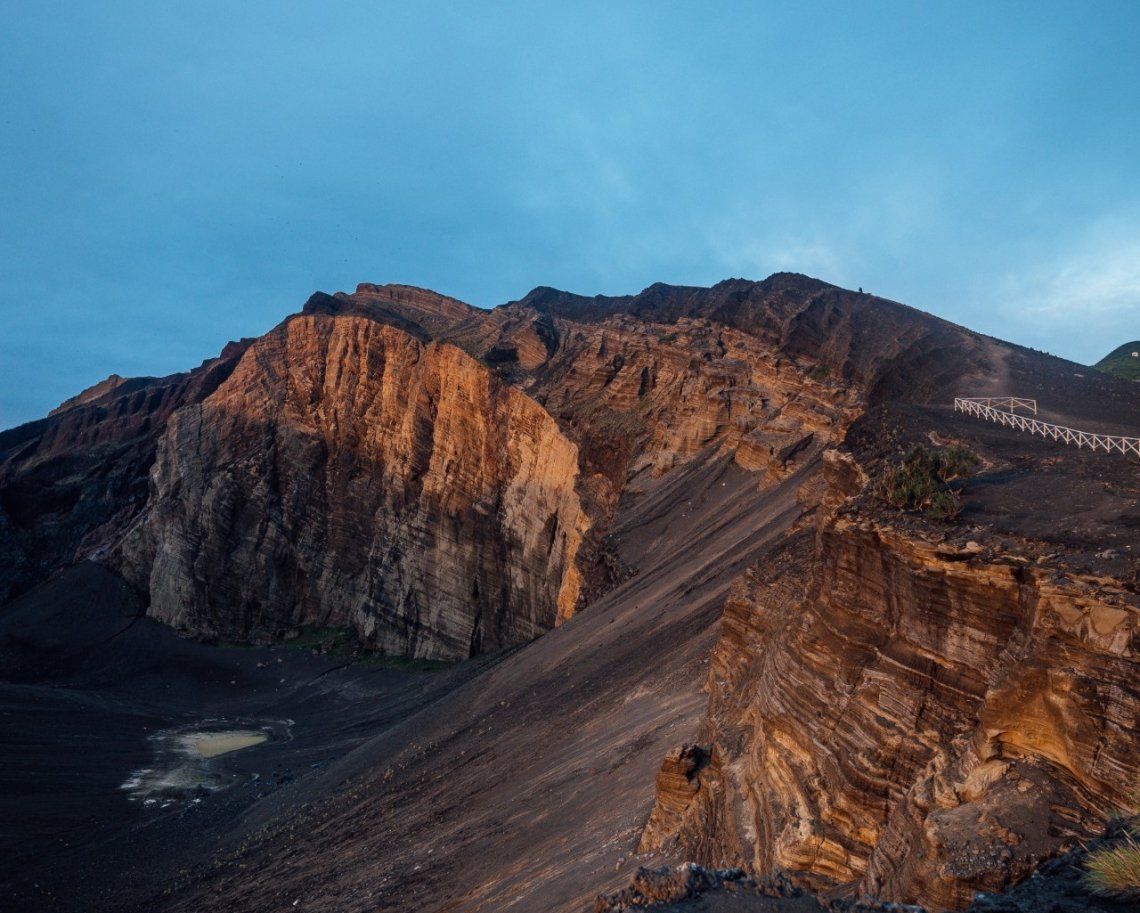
(915, 718)
(348, 473)
(639, 396)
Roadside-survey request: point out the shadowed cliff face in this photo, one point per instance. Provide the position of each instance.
(70, 484)
(348, 474)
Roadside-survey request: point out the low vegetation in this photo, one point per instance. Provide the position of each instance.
(1121, 362)
(343, 644)
(1114, 870)
(923, 481)
(596, 417)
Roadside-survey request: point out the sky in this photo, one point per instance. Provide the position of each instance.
(174, 175)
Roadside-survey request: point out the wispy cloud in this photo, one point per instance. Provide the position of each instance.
(736, 250)
(1102, 281)
(1086, 296)
(814, 256)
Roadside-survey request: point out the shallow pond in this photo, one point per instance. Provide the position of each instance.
(187, 763)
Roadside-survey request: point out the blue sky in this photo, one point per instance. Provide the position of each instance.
(175, 175)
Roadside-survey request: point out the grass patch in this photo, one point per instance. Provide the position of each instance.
(343, 644)
(600, 418)
(411, 663)
(1114, 870)
(340, 642)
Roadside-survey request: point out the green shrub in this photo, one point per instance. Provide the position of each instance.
(922, 480)
(1114, 870)
(944, 505)
(957, 462)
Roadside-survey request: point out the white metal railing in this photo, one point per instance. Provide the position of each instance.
(994, 409)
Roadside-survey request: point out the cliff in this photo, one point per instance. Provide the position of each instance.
(891, 704)
(347, 474)
(913, 716)
(71, 483)
(639, 395)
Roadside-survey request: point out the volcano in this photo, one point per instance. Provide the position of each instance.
(409, 605)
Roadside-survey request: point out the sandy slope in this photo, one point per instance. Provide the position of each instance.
(521, 781)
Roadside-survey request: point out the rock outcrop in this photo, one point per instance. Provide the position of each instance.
(640, 395)
(918, 718)
(348, 474)
(70, 484)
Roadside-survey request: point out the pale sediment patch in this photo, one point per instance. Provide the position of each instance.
(187, 763)
(211, 745)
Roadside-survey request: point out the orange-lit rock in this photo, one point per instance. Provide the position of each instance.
(916, 718)
(349, 474)
(904, 707)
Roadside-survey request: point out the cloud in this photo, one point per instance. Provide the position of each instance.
(1103, 281)
(1083, 298)
(813, 256)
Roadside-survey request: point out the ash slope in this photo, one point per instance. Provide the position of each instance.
(529, 786)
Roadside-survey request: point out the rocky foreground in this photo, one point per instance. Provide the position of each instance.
(750, 659)
(1057, 886)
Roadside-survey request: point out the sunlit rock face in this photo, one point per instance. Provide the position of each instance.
(910, 716)
(675, 389)
(642, 394)
(349, 474)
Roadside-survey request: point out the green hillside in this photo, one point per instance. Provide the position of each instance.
(1121, 363)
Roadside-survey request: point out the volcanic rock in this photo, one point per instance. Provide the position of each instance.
(72, 483)
(348, 475)
(875, 700)
(920, 721)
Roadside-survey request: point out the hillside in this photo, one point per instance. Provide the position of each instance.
(1122, 361)
(532, 552)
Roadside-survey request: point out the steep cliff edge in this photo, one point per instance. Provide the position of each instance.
(348, 474)
(640, 395)
(911, 714)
